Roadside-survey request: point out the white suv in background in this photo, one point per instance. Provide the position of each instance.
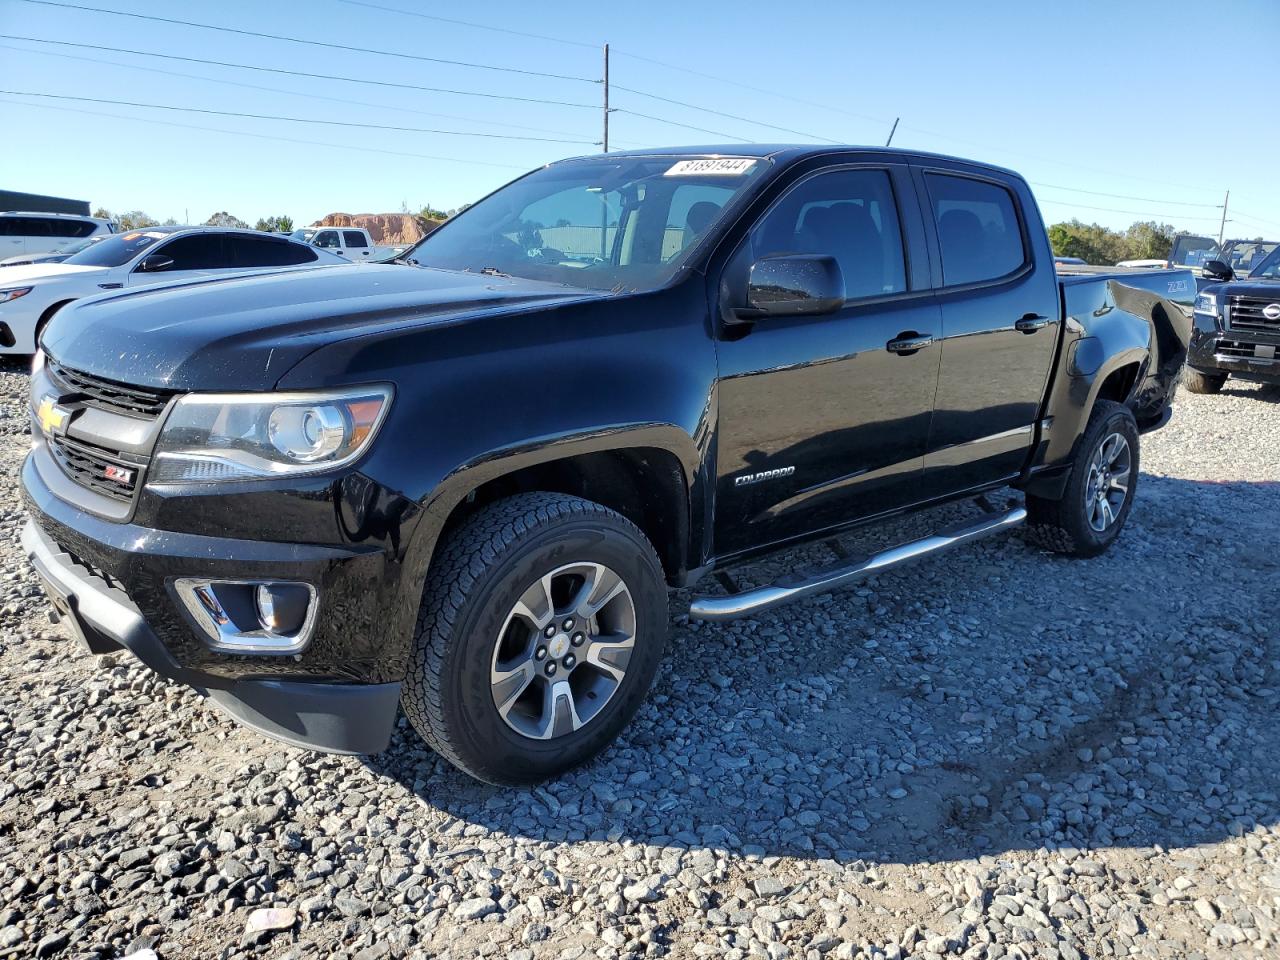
(32, 233)
(31, 295)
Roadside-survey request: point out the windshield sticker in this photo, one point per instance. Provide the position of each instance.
(718, 167)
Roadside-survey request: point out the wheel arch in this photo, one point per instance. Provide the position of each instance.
(648, 474)
(43, 320)
(646, 485)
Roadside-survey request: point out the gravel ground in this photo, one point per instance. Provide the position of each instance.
(998, 753)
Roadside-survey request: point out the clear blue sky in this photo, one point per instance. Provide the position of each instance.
(1129, 98)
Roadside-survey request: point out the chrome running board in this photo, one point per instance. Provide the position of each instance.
(842, 575)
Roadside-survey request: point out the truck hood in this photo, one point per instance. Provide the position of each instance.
(245, 333)
(1254, 288)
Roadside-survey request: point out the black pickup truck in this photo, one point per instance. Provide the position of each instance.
(1237, 326)
(463, 483)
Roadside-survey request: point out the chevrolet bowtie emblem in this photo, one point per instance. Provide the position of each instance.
(51, 416)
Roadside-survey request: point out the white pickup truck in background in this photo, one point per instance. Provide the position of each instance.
(351, 242)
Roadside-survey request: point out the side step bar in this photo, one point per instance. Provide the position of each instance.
(842, 575)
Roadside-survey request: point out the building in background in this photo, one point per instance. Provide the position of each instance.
(35, 203)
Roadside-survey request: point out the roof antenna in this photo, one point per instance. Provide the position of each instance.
(892, 131)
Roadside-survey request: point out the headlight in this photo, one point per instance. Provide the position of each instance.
(13, 293)
(1207, 303)
(253, 435)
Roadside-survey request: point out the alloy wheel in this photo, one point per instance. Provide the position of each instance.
(1108, 483)
(563, 650)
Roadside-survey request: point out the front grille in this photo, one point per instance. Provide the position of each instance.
(1246, 313)
(94, 391)
(1231, 348)
(93, 468)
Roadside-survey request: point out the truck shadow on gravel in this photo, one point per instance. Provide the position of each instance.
(1267, 393)
(995, 699)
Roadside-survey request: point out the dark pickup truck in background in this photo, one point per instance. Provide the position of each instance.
(1237, 326)
(465, 482)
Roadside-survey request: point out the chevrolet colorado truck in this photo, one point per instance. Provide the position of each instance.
(1237, 326)
(463, 484)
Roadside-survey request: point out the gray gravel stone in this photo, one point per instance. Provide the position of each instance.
(995, 755)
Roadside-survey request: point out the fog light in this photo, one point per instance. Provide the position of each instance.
(250, 616)
(282, 607)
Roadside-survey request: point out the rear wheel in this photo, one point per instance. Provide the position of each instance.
(1199, 382)
(1096, 502)
(542, 625)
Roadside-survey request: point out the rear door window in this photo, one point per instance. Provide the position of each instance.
(353, 238)
(978, 229)
(247, 251)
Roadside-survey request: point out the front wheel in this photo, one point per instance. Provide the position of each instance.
(1096, 502)
(1199, 382)
(542, 624)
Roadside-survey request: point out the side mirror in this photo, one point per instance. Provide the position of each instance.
(155, 262)
(794, 285)
(1218, 271)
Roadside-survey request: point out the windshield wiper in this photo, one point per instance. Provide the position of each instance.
(493, 272)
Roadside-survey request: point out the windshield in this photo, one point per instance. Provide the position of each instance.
(1189, 251)
(1242, 256)
(624, 223)
(118, 249)
(1268, 269)
(82, 245)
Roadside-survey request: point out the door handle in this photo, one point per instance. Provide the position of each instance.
(908, 343)
(1031, 323)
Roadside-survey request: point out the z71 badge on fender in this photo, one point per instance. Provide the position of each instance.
(763, 475)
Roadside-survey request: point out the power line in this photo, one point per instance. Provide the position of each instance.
(746, 86)
(468, 23)
(639, 93)
(291, 93)
(1053, 160)
(264, 116)
(720, 113)
(299, 73)
(1262, 221)
(675, 123)
(263, 136)
(312, 43)
(634, 56)
(1125, 196)
(1136, 213)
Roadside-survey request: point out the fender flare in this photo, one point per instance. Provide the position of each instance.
(439, 505)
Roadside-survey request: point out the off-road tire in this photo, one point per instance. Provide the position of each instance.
(1062, 525)
(1199, 382)
(475, 578)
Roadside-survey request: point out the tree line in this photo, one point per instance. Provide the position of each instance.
(1093, 243)
(137, 219)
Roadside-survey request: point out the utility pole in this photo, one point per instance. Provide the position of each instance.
(606, 98)
(1223, 229)
(892, 131)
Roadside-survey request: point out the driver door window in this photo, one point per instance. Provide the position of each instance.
(849, 215)
(198, 252)
(327, 239)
